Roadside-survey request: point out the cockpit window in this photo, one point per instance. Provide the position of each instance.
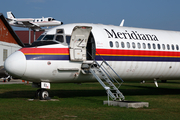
(60, 38)
(68, 38)
(60, 31)
(40, 37)
(42, 43)
(48, 37)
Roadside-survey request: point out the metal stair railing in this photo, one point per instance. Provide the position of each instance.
(108, 77)
(108, 71)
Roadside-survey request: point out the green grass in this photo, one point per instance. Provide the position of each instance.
(85, 102)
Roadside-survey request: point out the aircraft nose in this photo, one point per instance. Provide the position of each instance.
(59, 22)
(15, 64)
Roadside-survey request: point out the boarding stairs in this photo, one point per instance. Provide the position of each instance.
(105, 75)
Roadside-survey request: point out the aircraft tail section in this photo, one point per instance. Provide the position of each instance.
(7, 34)
(10, 15)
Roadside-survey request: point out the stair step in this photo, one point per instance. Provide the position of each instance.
(106, 82)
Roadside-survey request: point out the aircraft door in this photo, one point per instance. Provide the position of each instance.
(78, 43)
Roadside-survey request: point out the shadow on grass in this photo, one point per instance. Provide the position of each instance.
(58, 93)
(147, 90)
(90, 93)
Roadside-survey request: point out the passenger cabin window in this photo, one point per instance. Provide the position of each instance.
(168, 47)
(139, 45)
(144, 45)
(128, 44)
(163, 46)
(154, 46)
(60, 38)
(159, 46)
(177, 47)
(149, 45)
(172, 47)
(122, 44)
(117, 44)
(111, 44)
(133, 45)
(49, 19)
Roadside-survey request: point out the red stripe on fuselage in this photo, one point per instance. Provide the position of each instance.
(138, 52)
(108, 52)
(44, 50)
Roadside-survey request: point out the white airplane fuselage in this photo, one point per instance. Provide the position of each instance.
(134, 53)
(32, 23)
(38, 22)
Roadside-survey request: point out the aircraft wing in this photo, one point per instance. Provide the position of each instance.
(8, 19)
(30, 25)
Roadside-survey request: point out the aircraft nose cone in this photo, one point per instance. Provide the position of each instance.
(15, 64)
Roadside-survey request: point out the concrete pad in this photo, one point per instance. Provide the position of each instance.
(50, 100)
(14, 81)
(127, 104)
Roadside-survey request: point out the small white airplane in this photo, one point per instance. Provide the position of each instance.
(33, 23)
(76, 53)
(9, 43)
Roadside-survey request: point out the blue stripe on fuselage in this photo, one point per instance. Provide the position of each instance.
(133, 58)
(107, 58)
(47, 57)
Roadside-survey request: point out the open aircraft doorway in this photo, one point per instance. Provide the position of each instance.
(81, 48)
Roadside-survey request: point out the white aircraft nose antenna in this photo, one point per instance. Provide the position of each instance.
(15, 64)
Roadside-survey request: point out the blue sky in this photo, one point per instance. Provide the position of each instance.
(154, 14)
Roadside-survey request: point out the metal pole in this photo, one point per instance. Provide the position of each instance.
(29, 36)
(108, 91)
(108, 97)
(34, 35)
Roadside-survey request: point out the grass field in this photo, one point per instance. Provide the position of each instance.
(85, 102)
